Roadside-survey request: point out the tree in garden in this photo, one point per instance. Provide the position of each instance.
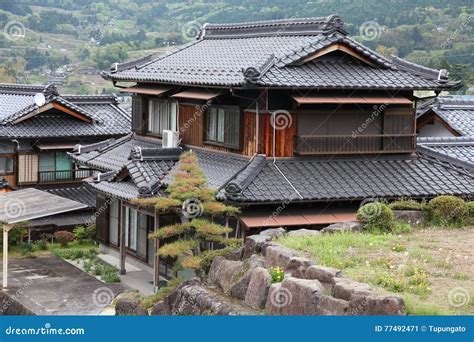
(190, 198)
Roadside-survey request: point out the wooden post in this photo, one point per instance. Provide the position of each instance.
(29, 235)
(156, 263)
(122, 239)
(6, 228)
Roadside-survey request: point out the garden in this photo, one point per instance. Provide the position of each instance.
(77, 247)
(429, 264)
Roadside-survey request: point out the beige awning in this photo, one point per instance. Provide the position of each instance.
(295, 217)
(311, 99)
(59, 146)
(158, 90)
(206, 94)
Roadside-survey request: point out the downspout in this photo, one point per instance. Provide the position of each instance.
(257, 128)
(274, 158)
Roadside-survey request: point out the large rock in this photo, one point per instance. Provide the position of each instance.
(241, 281)
(236, 255)
(350, 226)
(253, 245)
(191, 298)
(257, 290)
(224, 272)
(294, 297)
(413, 217)
(345, 288)
(130, 307)
(376, 305)
(328, 305)
(297, 267)
(278, 256)
(303, 232)
(322, 273)
(214, 269)
(274, 232)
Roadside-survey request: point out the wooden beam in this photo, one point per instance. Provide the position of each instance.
(156, 263)
(338, 47)
(57, 106)
(122, 238)
(6, 228)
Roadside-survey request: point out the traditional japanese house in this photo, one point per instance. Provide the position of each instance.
(38, 126)
(292, 120)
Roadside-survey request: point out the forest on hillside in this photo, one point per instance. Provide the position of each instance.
(43, 36)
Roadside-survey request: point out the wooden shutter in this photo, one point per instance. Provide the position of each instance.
(137, 114)
(232, 124)
(102, 219)
(398, 121)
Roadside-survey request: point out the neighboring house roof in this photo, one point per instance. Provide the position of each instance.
(456, 111)
(450, 149)
(258, 181)
(22, 117)
(80, 193)
(280, 53)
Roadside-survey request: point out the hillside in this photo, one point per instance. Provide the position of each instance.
(68, 42)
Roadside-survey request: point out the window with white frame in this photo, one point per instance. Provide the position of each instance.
(163, 115)
(224, 126)
(6, 165)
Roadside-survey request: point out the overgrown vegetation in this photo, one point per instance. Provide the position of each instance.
(277, 274)
(162, 293)
(189, 197)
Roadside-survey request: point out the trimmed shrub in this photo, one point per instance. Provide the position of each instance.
(406, 204)
(447, 211)
(378, 217)
(64, 237)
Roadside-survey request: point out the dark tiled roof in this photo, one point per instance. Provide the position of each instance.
(148, 167)
(353, 179)
(80, 193)
(450, 149)
(17, 101)
(272, 53)
(457, 111)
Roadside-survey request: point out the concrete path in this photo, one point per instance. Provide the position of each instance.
(51, 286)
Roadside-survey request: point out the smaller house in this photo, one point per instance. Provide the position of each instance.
(38, 126)
(445, 128)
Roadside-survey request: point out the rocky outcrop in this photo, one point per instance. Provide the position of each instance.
(278, 256)
(303, 232)
(345, 288)
(130, 304)
(374, 305)
(274, 233)
(224, 272)
(297, 267)
(322, 273)
(257, 291)
(241, 280)
(191, 298)
(413, 217)
(253, 245)
(351, 226)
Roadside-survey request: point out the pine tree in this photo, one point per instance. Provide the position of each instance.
(190, 198)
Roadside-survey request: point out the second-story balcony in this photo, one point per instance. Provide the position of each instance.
(351, 144)
(63, 176)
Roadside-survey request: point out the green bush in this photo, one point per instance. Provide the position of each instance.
(378, 217)
(26, 249)
(406, 204)
(277, 274)
(63, 237)
(40, 245)
(70, 254)
(80, 233)
(470, 204)
(90, 232)
(110, 277)
(447, 211)
(400, 227)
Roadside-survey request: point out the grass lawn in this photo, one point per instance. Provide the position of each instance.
(426, 267)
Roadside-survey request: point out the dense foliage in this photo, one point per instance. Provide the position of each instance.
(377, 217)
(447, 211)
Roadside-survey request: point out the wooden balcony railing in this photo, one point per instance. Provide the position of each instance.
(64, 176)
(352, 144)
